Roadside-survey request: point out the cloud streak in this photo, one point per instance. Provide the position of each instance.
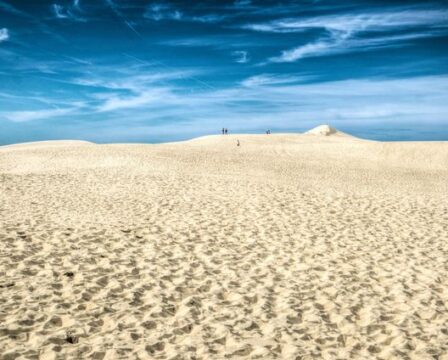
(353, 23)
(11, 9)
(342, 31)
(32, 115)
(4, 35)
(144, 99)
(241, 56)
(68, 12)
(119, 14)
(273, 79)
(163, 11)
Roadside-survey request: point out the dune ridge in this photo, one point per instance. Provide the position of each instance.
(288, 246)
(49, 143)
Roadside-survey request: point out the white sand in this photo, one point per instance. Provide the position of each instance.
(288, 246)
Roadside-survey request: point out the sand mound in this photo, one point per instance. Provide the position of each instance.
(323, 130)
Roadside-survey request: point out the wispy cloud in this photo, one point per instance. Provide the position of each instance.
(273, 79)
(161, 11)
(320, 47)
(208, 18)
(342, 31)
(132, 82)
(136, 86)
(123, 18)
(353, 23)
(221, 41)
(24, 116)
(339, 43)
(4, 34)
(146, 98)
(31, 18)
(11, 9)
(241, 56)
(59, 11)
(340, 103)
(67, 12)
(293, 98)
(242, 3)
(257, 102)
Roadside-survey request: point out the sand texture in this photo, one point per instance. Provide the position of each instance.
(285, 247)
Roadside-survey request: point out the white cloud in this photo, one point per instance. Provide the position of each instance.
(141, 100)
(68, 13)
(241, 56)
(339, 43)
(133, 83)
(120, 15)
(59, 11)
(350, 23)
(320, 47)
(263, 99)
(271, 79)
(4, 34)
(24, 116)
(163, 11)
(283, 101)
(342, 30)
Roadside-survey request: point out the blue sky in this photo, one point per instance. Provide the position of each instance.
(149, 71)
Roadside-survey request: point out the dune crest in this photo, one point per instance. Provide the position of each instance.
(324, 130)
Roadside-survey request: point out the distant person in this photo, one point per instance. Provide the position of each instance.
(223, 130)
(226, 131)
(237, 142)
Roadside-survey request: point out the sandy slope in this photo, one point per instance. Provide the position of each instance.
(288, 246)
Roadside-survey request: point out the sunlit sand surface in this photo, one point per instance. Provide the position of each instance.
(287, 246)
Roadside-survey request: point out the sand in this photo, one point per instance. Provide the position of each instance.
(288, 246)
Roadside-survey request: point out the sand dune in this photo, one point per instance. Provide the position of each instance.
(287, 246)
(325, 130)
(50, 143)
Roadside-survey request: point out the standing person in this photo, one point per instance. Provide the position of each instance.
(237, 142)
(223, 131)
